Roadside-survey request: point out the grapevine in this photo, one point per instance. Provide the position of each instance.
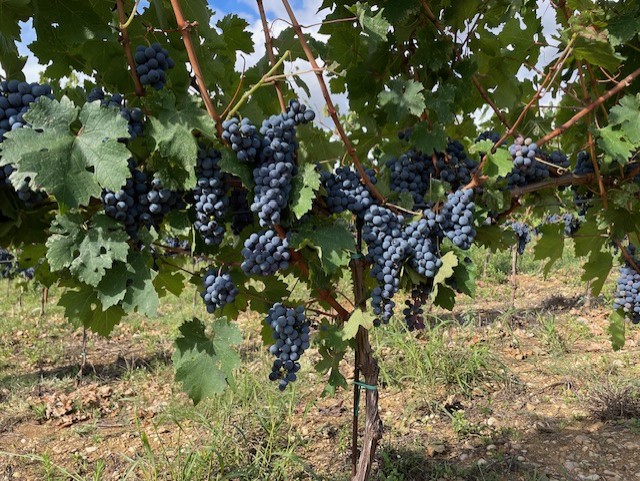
(124, 189)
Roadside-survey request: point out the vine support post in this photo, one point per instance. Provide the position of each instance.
(43, 301)
(514, 275)
(366, 364)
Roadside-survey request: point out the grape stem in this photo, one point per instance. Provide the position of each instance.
(589, 108)
(272, 58)
(331, 107)
(126, 43)
(130, 19)
(260, 83)
(185, 32)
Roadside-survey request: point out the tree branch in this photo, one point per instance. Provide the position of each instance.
(185, 32)
(272, 59)
(490, 102)
(589, 108)
(567, 179)
(330, 106)
(126, 43)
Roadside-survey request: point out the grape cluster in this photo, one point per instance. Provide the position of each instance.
(219, 290)
(265, 253)
(299, 112)
(456, 218)
(29, 197)
(134, 116)
(243, 137)
(455, 166)
(421, 238)
(411, 172)
(627, 294)
(491, 135)
(523, 152)
(345, 190)
(523, 234)
(152, 64)
(140, 202)
(387, 250)
(274, 174)
(9, 267)
(6, 264)
(15, 99)
(571, 222)
(177, 243)
(290, 330)
(414, 310)
(582, 197)
(209, 197)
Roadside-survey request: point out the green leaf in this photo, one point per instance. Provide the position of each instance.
(229, 164)
(304, 188)
(103, 322)
(357, 319)
(449, 261)
(62, 245)
(597, 270)
(332, 240)
(428, 140)
(550, 245)
(79, 304)
(104, 243)
(204, 363)
(141, 294)
(445, 297)
(403, 98)
(616, 329)
(615, 144)
(375, 25)
(234, 33)
(498, 164)
(594, 47)
(57, 160)
(171, 129)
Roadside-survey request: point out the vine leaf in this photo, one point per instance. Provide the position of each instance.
(403, 98)
(622, 136)
(204, 363)
(81, 306)
(597, 269)
(141, 294)
(375, 25)
(429, 139)
(550, 245)
(499, 163)
(58, 160)
(449, 262)
(616, 329)
(234, 33)
(332, 241)
(594, 47)
(229, 164)
(86, 253)
(172, 130)
(304, 187)
(357, 319)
